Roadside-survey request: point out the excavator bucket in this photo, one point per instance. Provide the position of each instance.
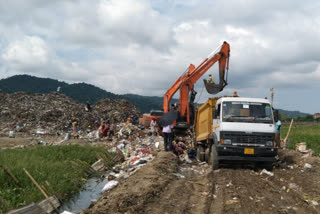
(213, 88)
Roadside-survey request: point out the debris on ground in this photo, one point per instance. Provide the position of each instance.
(110, 185)
(264, 171)
(307, 166)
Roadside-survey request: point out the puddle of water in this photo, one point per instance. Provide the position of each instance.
(91, 192)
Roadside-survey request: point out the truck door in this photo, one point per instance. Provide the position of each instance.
(216, 121)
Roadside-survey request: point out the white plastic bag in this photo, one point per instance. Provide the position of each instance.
(110, 185)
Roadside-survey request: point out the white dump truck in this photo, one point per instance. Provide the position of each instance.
(235, 129)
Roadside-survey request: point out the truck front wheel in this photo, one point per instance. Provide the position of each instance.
(214, 158)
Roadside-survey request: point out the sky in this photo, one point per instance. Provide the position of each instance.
(143, 46)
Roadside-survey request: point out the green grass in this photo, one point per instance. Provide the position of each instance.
(303, 132)
(53, 164)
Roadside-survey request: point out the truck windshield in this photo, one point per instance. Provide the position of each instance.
(252, 112)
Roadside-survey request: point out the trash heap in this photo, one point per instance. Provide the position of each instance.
(134, 153)
(54, 113)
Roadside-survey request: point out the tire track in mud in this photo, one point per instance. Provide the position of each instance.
(246, 191)
(156, 188)
(183, 195)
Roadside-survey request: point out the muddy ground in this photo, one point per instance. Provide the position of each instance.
(167, 186)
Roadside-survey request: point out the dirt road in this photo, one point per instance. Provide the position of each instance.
(167, 186)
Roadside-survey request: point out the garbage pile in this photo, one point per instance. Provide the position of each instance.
(52, 114)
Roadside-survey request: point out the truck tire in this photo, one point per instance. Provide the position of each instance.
(207, 150)
(214, 158)
(266, 165)
(200, 153)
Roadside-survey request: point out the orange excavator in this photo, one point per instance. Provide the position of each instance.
(187, 80)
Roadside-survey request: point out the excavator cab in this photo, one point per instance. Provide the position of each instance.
(213, 88)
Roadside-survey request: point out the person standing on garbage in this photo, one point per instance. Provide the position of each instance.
(87, 107)
(153, 125)
(112, 129)
(168, 137)
(277, 133)
(75, 130)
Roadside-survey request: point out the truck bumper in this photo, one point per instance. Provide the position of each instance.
(261, 154)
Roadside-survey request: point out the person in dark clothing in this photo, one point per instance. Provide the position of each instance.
(88, 107)
(168, 137)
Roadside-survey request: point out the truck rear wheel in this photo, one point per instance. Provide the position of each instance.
(214, 158)
(200, 153)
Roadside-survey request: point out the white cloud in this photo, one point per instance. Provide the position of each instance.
(30, 52)
(127, 46)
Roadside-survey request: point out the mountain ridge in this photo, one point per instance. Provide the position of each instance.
(84, 92)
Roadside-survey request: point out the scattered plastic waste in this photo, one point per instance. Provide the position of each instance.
(307, 166)
(264, 171)
(66, 212)
(110, 185)
(12, 134)
(156, 144)
(229, 184)
(178, 175)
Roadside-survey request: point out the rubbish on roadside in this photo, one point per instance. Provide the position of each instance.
(134, 160)
(187, 159)
(120, 146)
(229, 184)
(142, 162)
(156, 144)
(307, 153)
(111, 177)
(229, 202)
(98, 165)
(110, 185)
(12, 134)
(307, 166)
(301, 146)
(66, 212)
(205, 193)
(293, 186)
(192, 153)
(43, 142)
(314, 203)
(264, 171)
(178, 175)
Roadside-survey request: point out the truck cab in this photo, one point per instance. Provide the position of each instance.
(236, 129)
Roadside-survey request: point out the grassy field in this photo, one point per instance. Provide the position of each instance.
(62, 166)
(303, 132)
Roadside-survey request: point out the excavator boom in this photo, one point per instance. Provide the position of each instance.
(187, 80)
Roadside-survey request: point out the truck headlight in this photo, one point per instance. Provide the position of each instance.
(227, 141)
(269, 143)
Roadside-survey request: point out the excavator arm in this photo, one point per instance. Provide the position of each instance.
(187, 80)
(175, 87)
(187, 84)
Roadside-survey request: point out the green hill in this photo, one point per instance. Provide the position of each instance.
(292, 114)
